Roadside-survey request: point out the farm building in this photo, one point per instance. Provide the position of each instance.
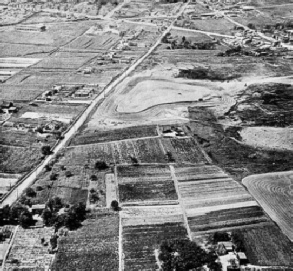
(225, 247)
(38, 209)
(242, 258)
(84, 93)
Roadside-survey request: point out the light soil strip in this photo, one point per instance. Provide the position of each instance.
(111, 193)
(180, 202)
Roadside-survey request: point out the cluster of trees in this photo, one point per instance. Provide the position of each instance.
(70, 219)
(18, 214)
(182, 255)
(204, 73)
(186, 44)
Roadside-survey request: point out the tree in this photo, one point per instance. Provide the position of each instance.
(101, 165)
(16, 211)
(30, 192)
(182, 255)
(47, 217)
(68, 173)
(48, 168)
(221, 237)
(54, 204)
(46, 150)
(25, 219)
(115, 205)
(93, 178)
(79, 210)
(53, 176)
(251, 26)
(54, 241)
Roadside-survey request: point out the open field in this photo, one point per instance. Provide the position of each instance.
(142, 185)
(274, 193)
(144, 229)
(53, 36)
(28, 249)
(91, 137)
(92, 247)
(266, 245)
(13, 92)
(268, 137)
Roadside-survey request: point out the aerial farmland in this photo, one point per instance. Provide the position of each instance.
(146, 135)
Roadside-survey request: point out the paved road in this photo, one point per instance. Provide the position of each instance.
(203, 32)
(29, 180)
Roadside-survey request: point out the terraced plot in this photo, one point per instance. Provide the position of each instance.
(274, 192)
(144, 187)
(144, 229)
(213, 201)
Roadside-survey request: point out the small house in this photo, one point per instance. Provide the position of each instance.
(6, 105)
(224, 248)
(12, 109)
(242, 258)
(38, 209)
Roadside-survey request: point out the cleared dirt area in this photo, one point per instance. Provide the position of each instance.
(268, 137)
(274, 192)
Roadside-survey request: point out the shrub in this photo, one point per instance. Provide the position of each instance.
(39, 188)
(48, 168)
(93, 178)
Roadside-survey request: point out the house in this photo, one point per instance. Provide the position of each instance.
(6, 105)
(224, 248)
(84, 93)
(12, 109)
(242, 258)
(38, 209)
(34, 28)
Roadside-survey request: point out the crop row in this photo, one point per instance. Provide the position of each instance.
(92, 247)
(140, 243)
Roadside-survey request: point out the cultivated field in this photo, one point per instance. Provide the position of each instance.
(141, 185)
(92, 247)
(213, 201)
(266, 245)
(273, 191)
(19, 159)
(144, 229)
(28, 251)
(149, 150)
(91, 137)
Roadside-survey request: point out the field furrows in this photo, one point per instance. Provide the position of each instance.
(92, 247)
(255, 240)
(185, 150)
(212, 203)
(144, 151)
(274, 192)
(150, 215)
(140, 243)
(145, 186)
